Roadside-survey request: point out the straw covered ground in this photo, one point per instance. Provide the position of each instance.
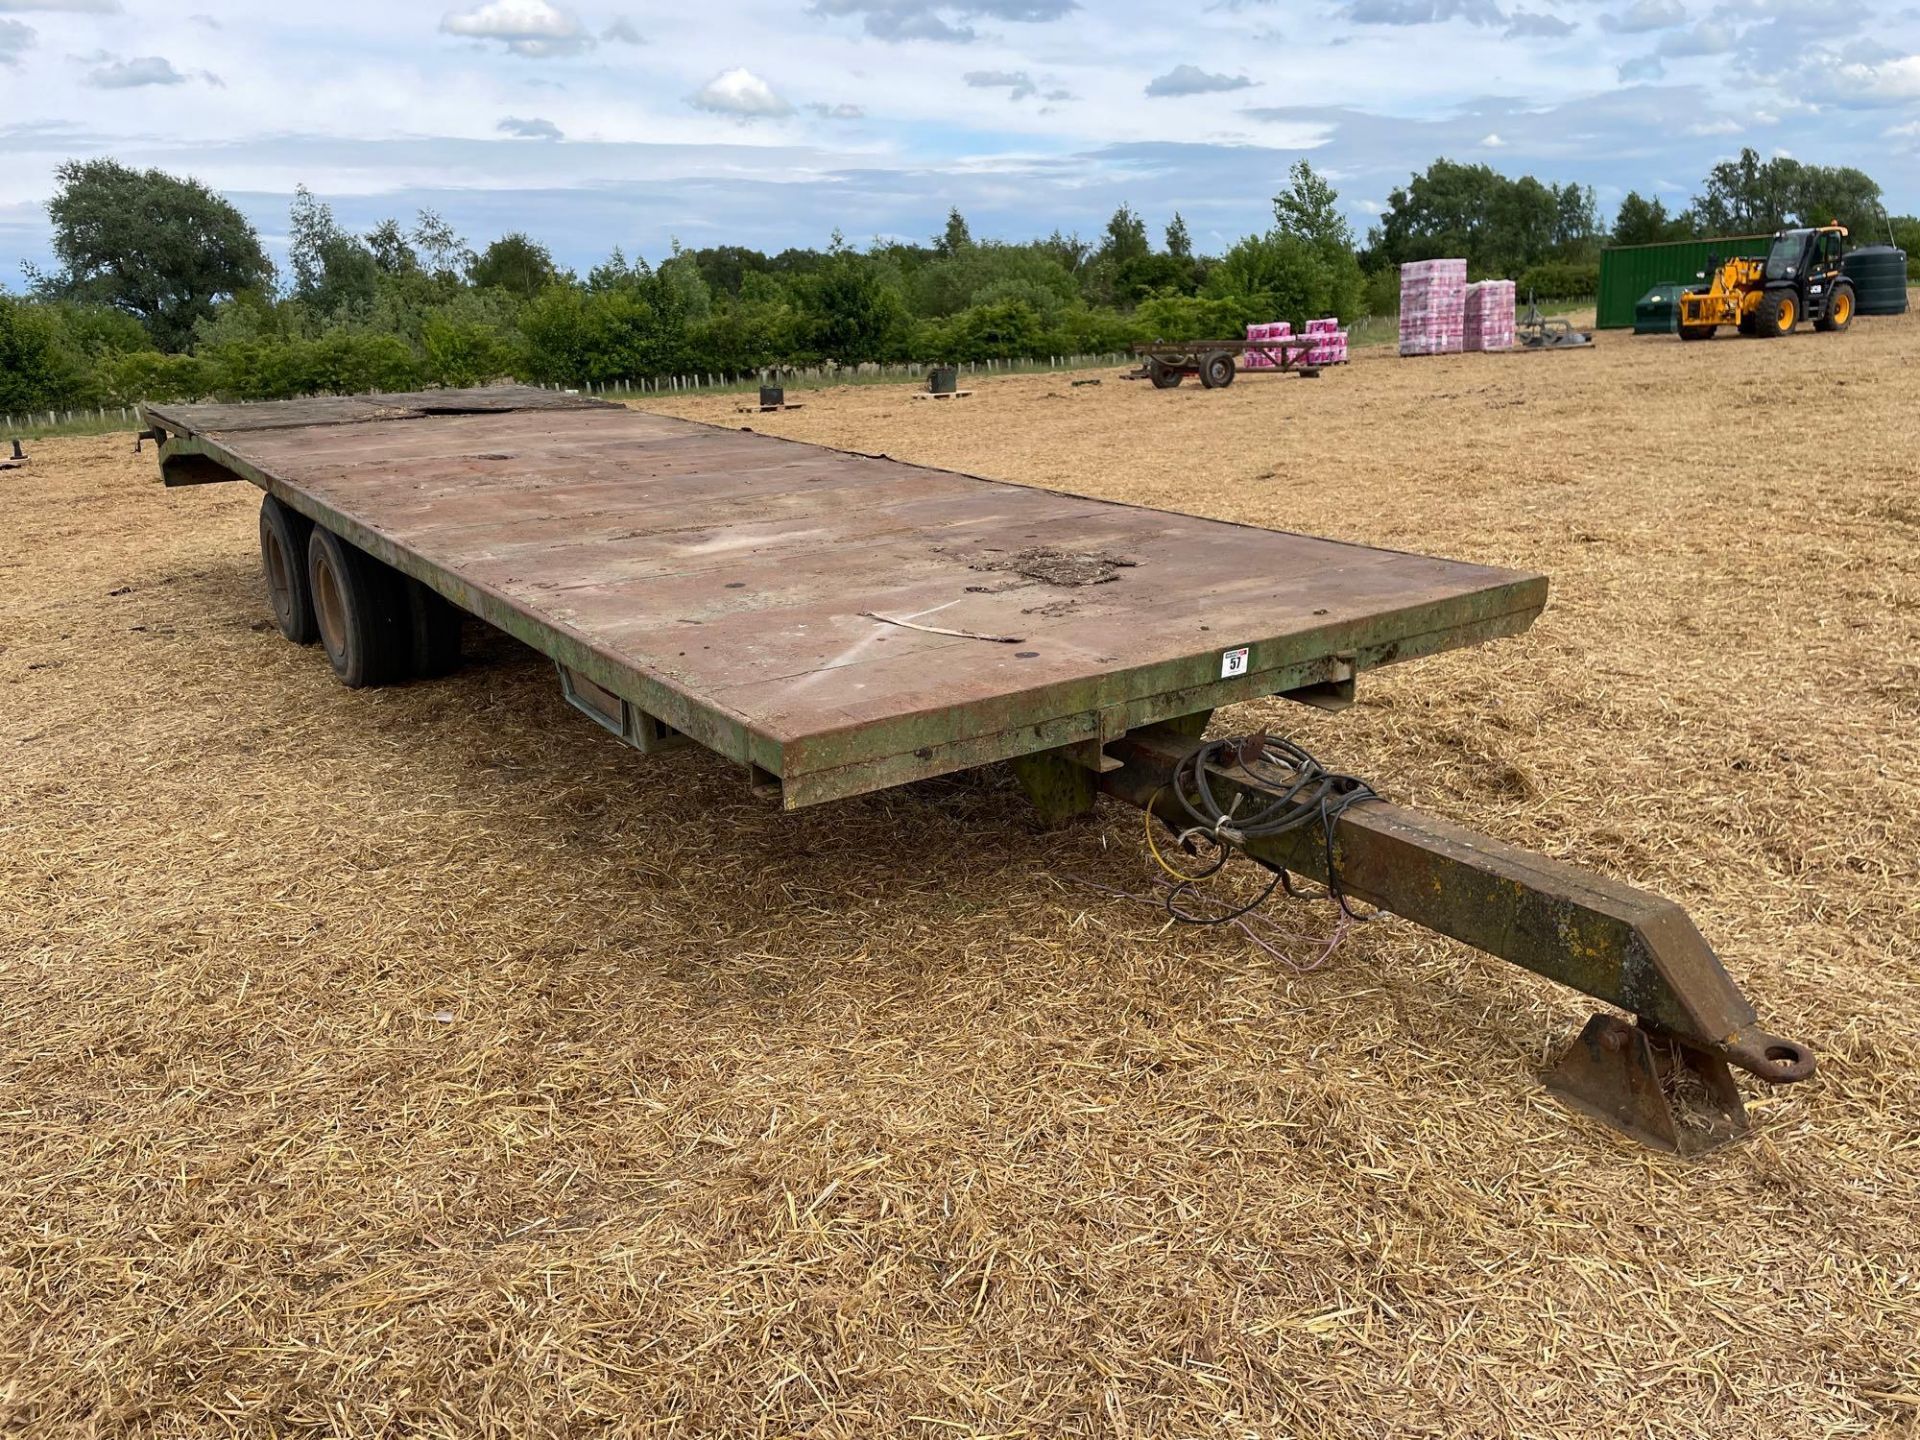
(420, 1062)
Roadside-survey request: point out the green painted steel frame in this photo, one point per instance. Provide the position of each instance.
(1614, 942)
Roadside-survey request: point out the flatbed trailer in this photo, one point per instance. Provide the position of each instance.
(839, 623)
(1215, 362)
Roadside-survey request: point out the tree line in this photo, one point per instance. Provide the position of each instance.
(164, 292)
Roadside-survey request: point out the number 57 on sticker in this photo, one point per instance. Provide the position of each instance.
(1233, 662)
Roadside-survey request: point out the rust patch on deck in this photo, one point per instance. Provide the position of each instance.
(1060, 567)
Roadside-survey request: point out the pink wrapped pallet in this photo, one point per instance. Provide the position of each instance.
(1329, 342)
(1433, 307)
(1274, 330)
(1489, 318)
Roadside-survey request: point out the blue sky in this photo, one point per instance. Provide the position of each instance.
(771, 122)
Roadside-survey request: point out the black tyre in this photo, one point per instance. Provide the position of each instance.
(1216, 371)
(1163, 375)
(1778, 313)
(1697, 332)
(1747, 322)
(433, 625)
(283, 558)
(361, 608)
(1840, 309)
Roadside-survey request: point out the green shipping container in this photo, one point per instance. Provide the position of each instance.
(1629, 271)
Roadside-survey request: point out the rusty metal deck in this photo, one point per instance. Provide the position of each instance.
(728, 583)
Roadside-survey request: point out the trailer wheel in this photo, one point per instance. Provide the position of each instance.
(1216, 371)
(433, 631)
(283, 558)
(1163, 375)
(361, 610)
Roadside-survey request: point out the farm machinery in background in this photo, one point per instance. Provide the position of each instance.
(1799, 279)
(1535, 331)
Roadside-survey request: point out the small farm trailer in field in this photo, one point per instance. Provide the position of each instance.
(1216, 362)
(840, 623)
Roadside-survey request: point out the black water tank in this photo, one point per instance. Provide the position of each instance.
(944, 380)
(1879, 275)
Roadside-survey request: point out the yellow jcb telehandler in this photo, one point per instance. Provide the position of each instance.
(1800, 279)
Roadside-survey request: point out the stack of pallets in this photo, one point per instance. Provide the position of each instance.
(1256, 360)
(1489, 321)
(1329, 342)
(1433, 307)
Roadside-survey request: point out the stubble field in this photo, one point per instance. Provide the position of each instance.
(421, 1062)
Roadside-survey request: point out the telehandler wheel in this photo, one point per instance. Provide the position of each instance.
(1777, 314)
(1697, 332)
(283, 556)
(1747, 323)
(1840, 308)
(362, 610)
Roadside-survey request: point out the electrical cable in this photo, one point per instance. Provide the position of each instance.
(1303, 791)
(1154, 849)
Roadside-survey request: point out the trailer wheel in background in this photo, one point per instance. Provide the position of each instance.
(1216, 371)
(433, 624)
(1163, 375)
(361, 609)
(283, 558)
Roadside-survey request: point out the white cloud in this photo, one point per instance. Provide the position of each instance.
(131, 74)
(1493, 142)
(623, 32)
(837, 112)
(741, 93)
(1644, 16)
(15, 39)
(529, 129)
(939, 20)
(1643, 67)
(1887, 82)
(1192, 80)
(526, 27)
(1706, 38)
(1528, 24)
(1424, 12)
(1017, 83)
(60, 7)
